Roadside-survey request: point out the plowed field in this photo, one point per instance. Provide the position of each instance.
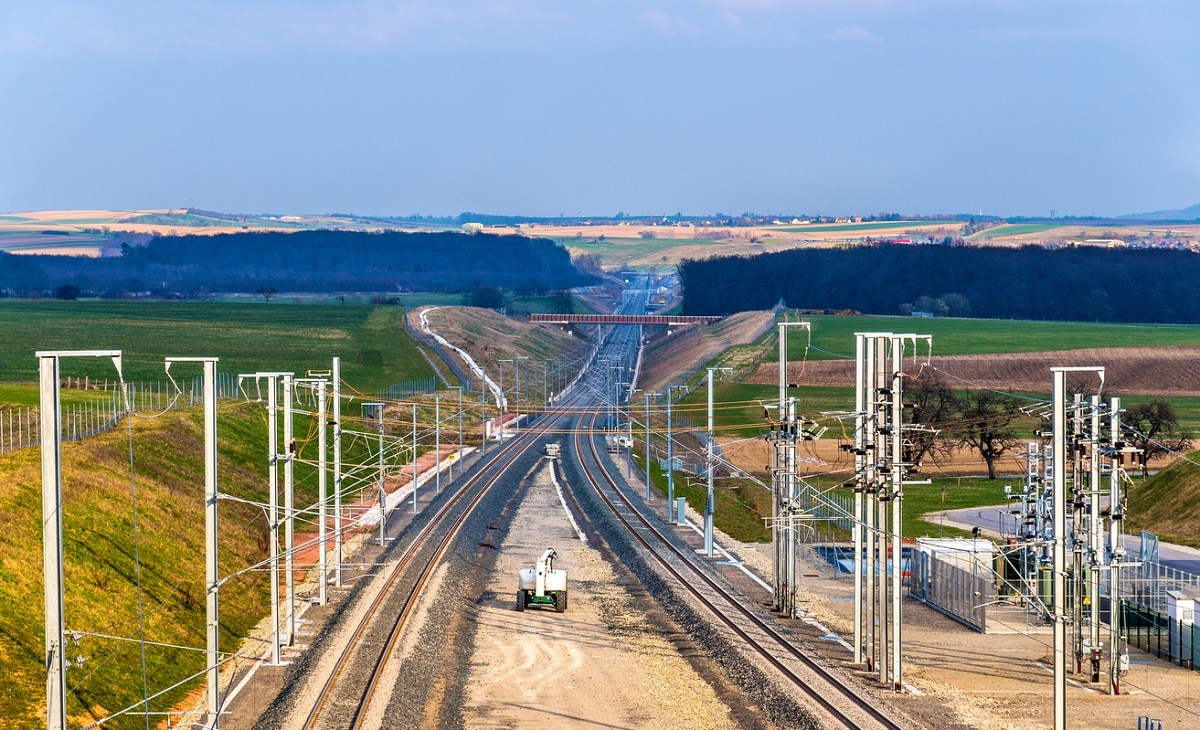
(1161, 371)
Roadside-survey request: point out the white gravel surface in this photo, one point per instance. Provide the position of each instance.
(596, 665)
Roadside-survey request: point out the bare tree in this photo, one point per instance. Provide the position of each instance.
(985, 425)
(933, 406)
(1153, 428)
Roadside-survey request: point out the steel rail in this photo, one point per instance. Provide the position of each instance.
(485, 478)
(764, 651)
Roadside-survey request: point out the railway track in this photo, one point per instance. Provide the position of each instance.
(841, 702)
(347, 693)
(348, 690)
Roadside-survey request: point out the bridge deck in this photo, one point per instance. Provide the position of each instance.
(651, 319)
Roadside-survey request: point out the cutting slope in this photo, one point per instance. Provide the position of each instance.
(672, 358)
(1168, 503)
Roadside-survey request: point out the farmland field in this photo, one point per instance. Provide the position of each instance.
(833, 336)
(1013, 230)
(375, 349)
(865, 227)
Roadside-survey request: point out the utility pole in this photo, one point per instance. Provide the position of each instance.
(881, 473)
(316, 383)
(322, 496)
(1059, 541)
(629, 425)
(517, 370)
(212, 582)
(437, 443)
(414, 464)
(647, 395)
(336, 376)
(785, 502)
(272, 379)
(367, 413)
(1117, 658)
(670, 460)
(483, 419)
(503, 400)
(856, 526)
(1059, 568)
(50, 425)
(460, 435)
(289, 505)
(710, 464)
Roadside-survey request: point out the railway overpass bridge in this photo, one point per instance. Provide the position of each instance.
(669, 320)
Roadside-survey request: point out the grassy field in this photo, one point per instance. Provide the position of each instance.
(612, 251)
(739, 505)
(833, 336)
(738, 407)
(247, 337)
(1013, 230)
(1166, 503)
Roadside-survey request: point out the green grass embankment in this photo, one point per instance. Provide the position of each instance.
(100, 571)
(1168, 503)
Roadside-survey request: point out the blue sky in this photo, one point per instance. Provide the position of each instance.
(540, 107)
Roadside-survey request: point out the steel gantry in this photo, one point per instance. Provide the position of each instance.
(787, 512)
(881, 471)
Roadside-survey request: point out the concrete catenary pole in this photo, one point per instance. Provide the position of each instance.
(322, 492)
(856, 526)
(1059, 565)
(289, 504)
(50, 426)
(670, 459)
(1115, 550)
(1059, 540)
(212, 613)
(414, 462)
(336, 377)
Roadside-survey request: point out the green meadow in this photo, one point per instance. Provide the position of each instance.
(247, 337)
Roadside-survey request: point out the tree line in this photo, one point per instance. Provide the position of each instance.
(304, 261)
(1031, 282)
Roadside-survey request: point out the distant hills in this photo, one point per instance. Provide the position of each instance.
(1191, 213)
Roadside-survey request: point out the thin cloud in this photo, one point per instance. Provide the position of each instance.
(853, 33)
(662, 22)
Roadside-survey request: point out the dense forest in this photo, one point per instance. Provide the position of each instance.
(304, 261)
(1080, 284)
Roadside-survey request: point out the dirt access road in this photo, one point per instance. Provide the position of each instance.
(599, 664)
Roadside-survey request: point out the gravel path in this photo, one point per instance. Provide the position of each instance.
(601, 663)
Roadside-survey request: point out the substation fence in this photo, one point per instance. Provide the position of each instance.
(1146, 585)
(1161, 635)
(953, 590)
